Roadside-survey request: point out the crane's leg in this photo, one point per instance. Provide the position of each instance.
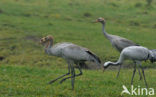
(138, 69)
(139, 73)
(118, 71)
(143, 75)
(72, 76)
(61, 75)
(133, 74)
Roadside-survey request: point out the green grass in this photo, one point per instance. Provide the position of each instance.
(66, 21)
(28, 81)
(26, 69)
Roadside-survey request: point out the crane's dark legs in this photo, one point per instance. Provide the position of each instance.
(118, 71)
(138, 71)
(133, 74)
(72, 76)
(61, 75)
(143, 75)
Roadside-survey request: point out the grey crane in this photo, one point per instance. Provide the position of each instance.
(137, 54)
(119, 43)
(72, 53)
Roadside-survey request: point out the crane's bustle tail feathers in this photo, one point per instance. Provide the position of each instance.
(137, 45)
(95, 58)
(153, 58)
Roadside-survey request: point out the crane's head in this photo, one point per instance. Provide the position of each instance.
(106, 65)
(101, 20)
(46, 39)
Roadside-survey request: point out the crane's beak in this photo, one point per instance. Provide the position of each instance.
(95, 21)
(41, 42)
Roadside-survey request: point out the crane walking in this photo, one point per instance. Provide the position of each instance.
(137, 54)
(119, 43)
(72, 53)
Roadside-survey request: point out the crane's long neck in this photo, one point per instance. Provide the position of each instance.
(116, 63)
(50, 43)
(119, 62)
(49, 46)
(104, 32)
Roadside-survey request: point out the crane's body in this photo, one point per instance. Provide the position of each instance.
(72, 53)
(135, 53)
(119, 43)
(56, 50)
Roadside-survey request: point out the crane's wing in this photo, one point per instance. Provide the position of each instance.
(122, 43)
(76, 52)
(93, 55)
(128, 42)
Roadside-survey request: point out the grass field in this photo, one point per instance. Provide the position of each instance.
(28, 81)
(25, 68)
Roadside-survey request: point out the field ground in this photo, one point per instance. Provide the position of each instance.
(24, 22)
(25, 68)
(28, 81)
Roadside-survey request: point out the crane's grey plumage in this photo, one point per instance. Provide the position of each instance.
(72, 53)
(119, 43)
(135, 53)
(153, 59)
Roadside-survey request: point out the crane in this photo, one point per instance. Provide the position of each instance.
(137, 54)
(73, 54)
(119, 43)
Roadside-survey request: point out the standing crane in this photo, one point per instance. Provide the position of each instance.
(72, 53)
(137, 54)
(119, 43)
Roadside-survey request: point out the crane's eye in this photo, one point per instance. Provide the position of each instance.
(45, 38)
(41, 40)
